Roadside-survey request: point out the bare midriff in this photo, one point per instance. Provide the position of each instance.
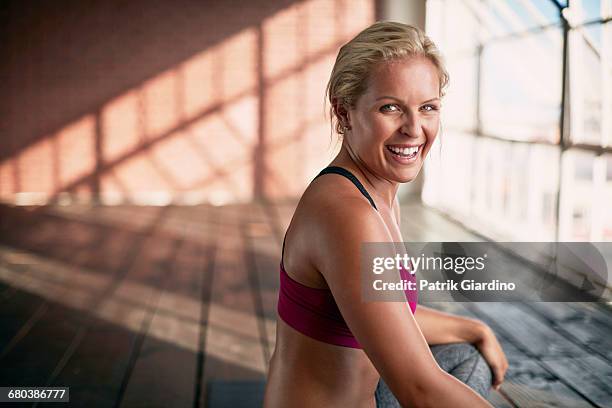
(305, 372)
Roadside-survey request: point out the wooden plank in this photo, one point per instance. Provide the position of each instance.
(586, 325)
(25, 320)
(29, 273)
(590, 376)
(510, 349)
(17, 317)
(113, 254)
(528, 331)
(234, 349)
(6, 292)
(165, 372)
(133, 219)
(598, 311)
(528, 384)
(65, 283)
(557, 311)
(18, 309)
(591, 334)
(32, 359)
(46, 234)
(235, 394)
(53, 281)
(263, 258)
(498, 400)
(97, 364)
(538, 339)
(95, 371)
(101, 360)
(151, 375)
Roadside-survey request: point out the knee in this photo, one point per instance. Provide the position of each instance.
(464, 361)
(452, 355)
(480, 377)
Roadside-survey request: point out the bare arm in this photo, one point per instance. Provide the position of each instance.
(442, 328)
(387, 331)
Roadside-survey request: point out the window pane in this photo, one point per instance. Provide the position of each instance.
(521, 87)
(607, 201)
(588, 10)
(577, 196)
(448, 178)
(590, 73)
(516, 16)
(460, 102)
(453, 26)
(490, 185)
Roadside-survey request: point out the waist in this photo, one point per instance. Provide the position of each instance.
(303, 366)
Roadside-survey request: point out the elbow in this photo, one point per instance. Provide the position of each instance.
(418, 401)
(417, 398)
(423, 393)
(421, 399)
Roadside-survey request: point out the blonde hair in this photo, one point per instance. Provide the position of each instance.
(382, 41)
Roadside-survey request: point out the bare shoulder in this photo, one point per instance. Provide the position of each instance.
(339, 220)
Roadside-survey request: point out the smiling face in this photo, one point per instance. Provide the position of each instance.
(395, 122)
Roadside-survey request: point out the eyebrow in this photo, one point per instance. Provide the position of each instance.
(399, 100)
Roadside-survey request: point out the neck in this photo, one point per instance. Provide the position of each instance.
(383, 189)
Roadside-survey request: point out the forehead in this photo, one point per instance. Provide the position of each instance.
(413, 79)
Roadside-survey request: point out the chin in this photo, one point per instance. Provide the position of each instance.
(408, 176)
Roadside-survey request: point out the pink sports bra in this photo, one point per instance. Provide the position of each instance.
(313, 311)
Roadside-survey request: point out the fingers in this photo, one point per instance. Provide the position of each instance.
(498, 377)
(499, 373)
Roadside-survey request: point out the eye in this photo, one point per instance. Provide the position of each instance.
(429, 108)
(390, 107)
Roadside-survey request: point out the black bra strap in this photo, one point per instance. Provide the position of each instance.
(344, 172)
(283, 251)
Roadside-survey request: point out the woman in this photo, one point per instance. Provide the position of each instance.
(331, 348)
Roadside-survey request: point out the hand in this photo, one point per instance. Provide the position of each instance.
(493, 353)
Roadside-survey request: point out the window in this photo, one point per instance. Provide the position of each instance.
(527, 122)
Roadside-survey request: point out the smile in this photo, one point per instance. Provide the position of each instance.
(405, 154)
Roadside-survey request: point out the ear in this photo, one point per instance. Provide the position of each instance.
(341, 112)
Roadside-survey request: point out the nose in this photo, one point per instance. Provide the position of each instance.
(412, 126)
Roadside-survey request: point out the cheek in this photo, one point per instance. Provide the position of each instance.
(376, 130)
(431, 129)
(385, 127)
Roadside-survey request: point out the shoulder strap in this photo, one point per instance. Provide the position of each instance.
(344, 172)
(283, 251)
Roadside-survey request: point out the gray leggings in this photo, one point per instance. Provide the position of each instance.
(462, 360)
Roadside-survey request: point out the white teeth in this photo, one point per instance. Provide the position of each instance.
(406, 151)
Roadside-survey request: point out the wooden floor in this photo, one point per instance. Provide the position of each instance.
(175, 307)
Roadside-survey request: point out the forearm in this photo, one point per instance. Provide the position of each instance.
(450, 392)
(443, 390)
(442, 328)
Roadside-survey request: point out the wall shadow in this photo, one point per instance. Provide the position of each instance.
(183, 102)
